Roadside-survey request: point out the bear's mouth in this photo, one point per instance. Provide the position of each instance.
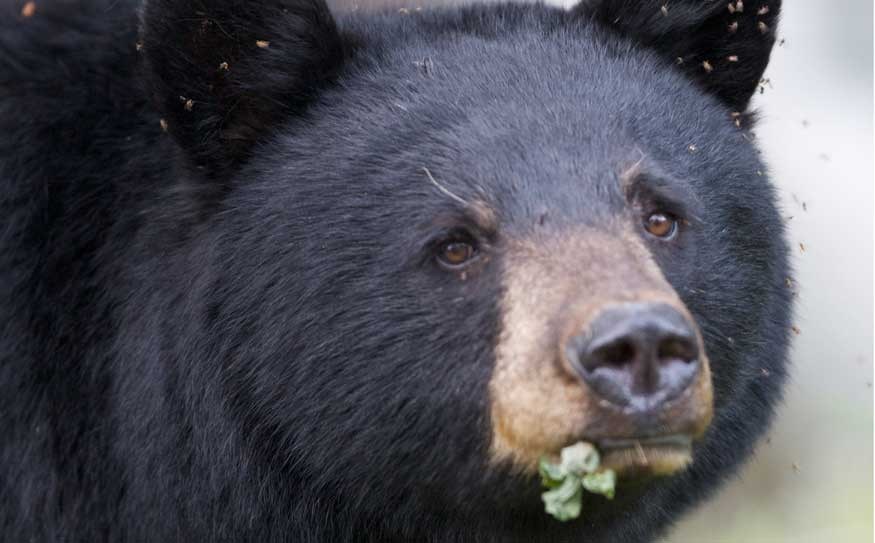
(643, 457)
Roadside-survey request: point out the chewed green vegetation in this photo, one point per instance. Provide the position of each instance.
(576, 472)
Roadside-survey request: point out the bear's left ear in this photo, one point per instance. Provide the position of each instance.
(722, 44)
(225, 73)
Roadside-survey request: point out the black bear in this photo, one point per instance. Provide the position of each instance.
(271, 274)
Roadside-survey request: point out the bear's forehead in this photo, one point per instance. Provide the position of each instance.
(510, 64)
(573, 89)
(524, 120)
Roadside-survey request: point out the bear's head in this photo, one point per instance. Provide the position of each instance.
(444, 244)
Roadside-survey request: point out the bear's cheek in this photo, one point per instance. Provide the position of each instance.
(553, 288)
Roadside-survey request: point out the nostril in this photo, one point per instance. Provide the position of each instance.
(617, 353)
(676, 349)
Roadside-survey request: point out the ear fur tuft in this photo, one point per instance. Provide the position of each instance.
(223, 73)
(724, 45)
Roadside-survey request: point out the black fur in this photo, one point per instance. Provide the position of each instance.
(222, 71)
(236, 331)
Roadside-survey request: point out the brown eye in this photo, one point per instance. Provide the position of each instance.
(661, 225)
(454, 254)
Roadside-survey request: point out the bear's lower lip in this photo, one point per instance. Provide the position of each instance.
(636, 458)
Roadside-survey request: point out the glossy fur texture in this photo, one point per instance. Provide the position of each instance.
(222, 320)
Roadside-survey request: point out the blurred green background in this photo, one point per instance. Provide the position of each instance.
(812, 479)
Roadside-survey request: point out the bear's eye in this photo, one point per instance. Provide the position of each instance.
(456, 253)
(661, 225)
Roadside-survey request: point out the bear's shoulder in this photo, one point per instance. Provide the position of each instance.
(72, 104)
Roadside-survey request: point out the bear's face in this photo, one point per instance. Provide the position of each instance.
(465, 241)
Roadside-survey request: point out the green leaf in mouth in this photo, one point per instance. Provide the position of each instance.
(564, 502)
(576, 471)
(602, 482)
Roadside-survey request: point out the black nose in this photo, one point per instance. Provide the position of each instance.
(637, 355)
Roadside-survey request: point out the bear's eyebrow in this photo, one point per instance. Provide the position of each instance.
(476, 214)
(477, 211)
(483, 216)
(670, 195)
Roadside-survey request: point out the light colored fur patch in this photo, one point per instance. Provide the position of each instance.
(554, 286)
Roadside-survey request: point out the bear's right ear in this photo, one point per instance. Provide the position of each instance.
(225, 73)
(724, 45)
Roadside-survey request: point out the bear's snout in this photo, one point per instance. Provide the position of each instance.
(638, 356)
(607, 353)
